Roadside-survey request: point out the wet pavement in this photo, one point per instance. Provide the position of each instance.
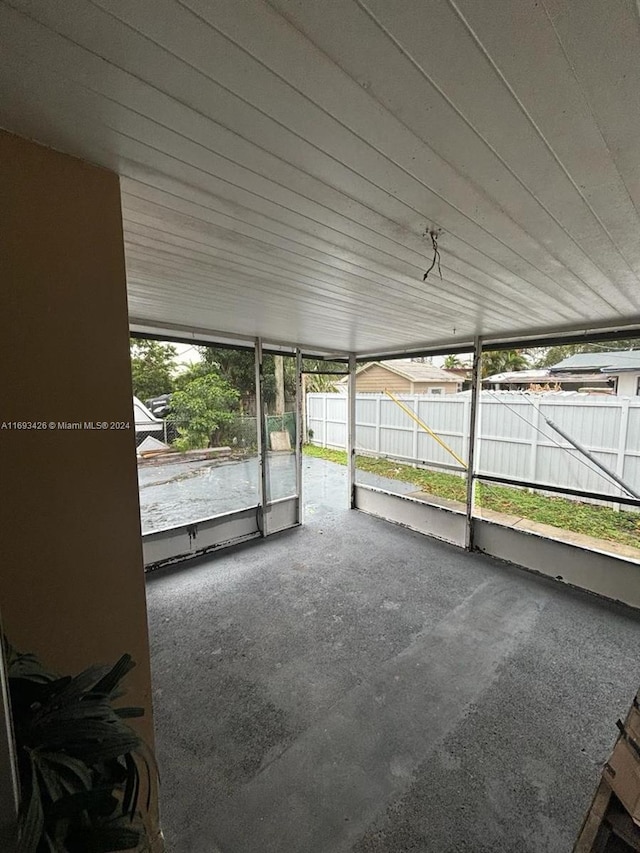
(175, 493)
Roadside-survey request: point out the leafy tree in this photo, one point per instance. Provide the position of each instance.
(200, 408)
(153, 365)
(237, 367)
(503, 361)
(190, 372)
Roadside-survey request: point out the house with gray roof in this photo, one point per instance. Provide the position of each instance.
(622, 367)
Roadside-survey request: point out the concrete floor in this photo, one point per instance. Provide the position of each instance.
(353, 686)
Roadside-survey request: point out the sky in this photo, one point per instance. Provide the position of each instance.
(187, 354)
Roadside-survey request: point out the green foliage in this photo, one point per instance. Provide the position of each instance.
(236, 367)
(322, 383)
(598, 521)
(452, 361)
(153, 365)
(189, 373)
(78, 761)
(202, 407)
(503, 361)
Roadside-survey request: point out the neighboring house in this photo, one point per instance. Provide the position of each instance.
(621, 367)
(464, 375)
(541, 378)
(402, 376)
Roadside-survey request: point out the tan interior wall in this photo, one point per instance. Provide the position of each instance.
(71, 582)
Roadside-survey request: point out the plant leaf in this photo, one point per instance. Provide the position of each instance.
(129, 712)
(81, 684)
(25, 665)
(51, 780)
(132, 787)
(50, 845)
(112, 679)
(32, 819)
(92, 753)
(78, 768)
(78, 759)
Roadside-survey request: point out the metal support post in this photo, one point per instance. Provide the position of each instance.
(351, 430)
(476, 385)
(263, 481)
(300, 402)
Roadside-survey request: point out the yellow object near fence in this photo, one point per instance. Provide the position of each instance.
(423, 426)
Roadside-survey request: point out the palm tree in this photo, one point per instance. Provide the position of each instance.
(451, 361)
(320, 383)
(503, 361)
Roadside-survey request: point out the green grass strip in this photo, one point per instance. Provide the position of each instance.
(597, 521)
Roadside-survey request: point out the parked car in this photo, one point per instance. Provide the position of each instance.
(159, 406)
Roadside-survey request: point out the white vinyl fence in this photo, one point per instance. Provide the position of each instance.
(510, 444)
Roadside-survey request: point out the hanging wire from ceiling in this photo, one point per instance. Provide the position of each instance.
(433, 234)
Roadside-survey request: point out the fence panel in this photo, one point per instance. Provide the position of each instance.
(316, 419)
(514, 438)
(449, 419)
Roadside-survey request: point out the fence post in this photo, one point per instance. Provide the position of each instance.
(324, 420)
(622, 441)
(415, 432)
(466, 420)
(533, 456)
(378, 420)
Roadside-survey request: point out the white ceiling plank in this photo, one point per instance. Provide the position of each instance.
(416, 294)
(285, 285)
(601, 42)
(572, 134)
(416, 198)
(412, 235)
(459, 270)
(280, 161)
(493, 118)
(75, 97)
